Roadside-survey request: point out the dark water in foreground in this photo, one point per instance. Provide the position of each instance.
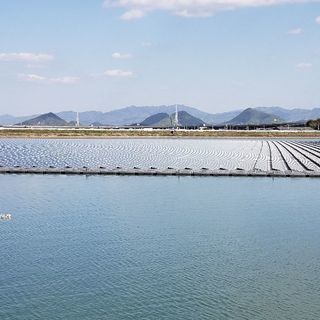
(159, 248)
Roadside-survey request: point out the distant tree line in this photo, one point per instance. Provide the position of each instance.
(314, 124)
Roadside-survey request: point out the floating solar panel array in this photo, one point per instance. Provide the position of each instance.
(230, 154)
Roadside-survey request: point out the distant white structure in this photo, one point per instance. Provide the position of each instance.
(176, 118)
(78, 120)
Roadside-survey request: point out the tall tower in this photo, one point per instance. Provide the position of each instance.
(78, 120)
(176, 119)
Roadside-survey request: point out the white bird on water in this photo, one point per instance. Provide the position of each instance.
(5, 216)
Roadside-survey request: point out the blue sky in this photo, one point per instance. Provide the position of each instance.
(216, 55)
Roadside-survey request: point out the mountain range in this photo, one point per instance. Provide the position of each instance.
(134, 114)
(126, 116)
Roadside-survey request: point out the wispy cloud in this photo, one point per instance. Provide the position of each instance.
(117, 55)
(35, 66)
(31, 77)
(133, 14)
(295, 31)
(118, 73)
(146, 44)
(135, 9)
(304, 65)
(318, 20)
(26, 57)
(41, 79)
(64, 80)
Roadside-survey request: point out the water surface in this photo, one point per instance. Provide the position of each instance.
(159, 248)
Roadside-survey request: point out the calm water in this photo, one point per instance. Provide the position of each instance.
(159, 248)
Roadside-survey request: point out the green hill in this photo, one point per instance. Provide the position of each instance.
(155, 119)
(164, 120)
(47, 119)
(254, 116)
(187, 120)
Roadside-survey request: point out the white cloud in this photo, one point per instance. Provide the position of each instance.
(296, 31)
(135, 9)
(31, 77)
(40, 79)
(64, 80)
(304, 65)
(133, 14)
(117, 55)
(26, 57)
(318, 20)
(118, 73)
